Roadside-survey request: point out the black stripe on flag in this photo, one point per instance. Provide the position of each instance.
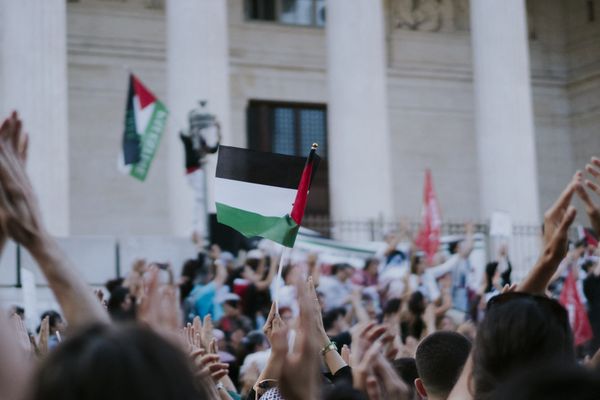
(260, 167)
(131, 139)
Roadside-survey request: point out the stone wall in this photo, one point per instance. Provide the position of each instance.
(583, 88)
(429, 96)
(106, 40)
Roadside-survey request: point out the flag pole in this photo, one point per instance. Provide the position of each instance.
(284, 253)
(278, 285)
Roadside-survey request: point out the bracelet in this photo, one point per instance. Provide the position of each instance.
(220, 386)
(329, 347)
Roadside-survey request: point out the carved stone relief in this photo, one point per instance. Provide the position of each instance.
(430, 15)
(442, 15)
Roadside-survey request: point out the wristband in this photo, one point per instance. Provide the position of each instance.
(329, 347)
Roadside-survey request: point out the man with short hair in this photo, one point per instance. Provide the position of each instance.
(440, 358)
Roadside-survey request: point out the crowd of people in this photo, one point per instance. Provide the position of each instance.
(401, 327)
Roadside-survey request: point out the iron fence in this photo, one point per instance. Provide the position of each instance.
(524, 245)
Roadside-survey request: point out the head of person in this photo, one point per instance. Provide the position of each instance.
(119, 362)
(120, 304)
(392, 307)
(205, 274)
(228, 260)
(55, 321)
(287, 316)
(342, 271)
(417, 264)
(254, 258)
(440, 358)
(231, 306)
(392, 238)
(416, 303)
(18, 310)
(588, 265)
(371, 266)
(580, 247)
(454, 247)
(447, 324)
(334, 320)
(406, 368)
(290, 274)
(254, 341)
(190, 270)
(492, 276)
(519, 332)
(552, 382)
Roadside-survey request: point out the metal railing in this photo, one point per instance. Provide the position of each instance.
(524, 244)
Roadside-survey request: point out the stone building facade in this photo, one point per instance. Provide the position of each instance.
(500, 99)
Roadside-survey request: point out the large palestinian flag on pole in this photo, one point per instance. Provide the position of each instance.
(263, 194)
(145, 122)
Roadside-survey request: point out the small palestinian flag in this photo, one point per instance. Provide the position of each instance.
(145, 122)
(263, 194)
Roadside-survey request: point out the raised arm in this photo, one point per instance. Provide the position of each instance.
(557, 221)
(21, 220)
(220, 274)
(593, 183)
(467, 246)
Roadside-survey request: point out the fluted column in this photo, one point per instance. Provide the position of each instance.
(503, 110)
(359, 143)
(197, 69)
(33, 81)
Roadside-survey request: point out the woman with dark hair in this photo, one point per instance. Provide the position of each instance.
(413, 323)
(118, 363)
(519, 332)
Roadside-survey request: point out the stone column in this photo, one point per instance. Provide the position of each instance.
(359, 143)
(33, 81)
(503, 110)
(197, 69)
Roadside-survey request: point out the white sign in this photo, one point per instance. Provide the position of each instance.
(501, 224)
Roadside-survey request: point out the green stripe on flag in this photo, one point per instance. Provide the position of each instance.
(279, 229)
(150, 140)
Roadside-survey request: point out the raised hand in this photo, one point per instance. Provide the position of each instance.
(20, 217)
(160, 308)
(557, 221)
(593, 183)
(300, 373)
(21, 220)
(43, 336)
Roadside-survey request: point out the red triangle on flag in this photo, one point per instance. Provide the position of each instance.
(146, 97)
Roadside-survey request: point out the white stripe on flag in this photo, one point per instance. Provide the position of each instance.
(268, 201)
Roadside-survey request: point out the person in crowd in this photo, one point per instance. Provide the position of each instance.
(203, 295)
(56, 325)
(233, 320)
(253, 357)
(440, 359)
(259, 273)
(591, 289)
(128, 362)
(504, 265)
(368, 275)
(337, 287)
(463, 273)
(121, 304)
(306, 351)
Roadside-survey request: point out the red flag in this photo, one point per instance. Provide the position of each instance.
(569, 298)
(428, 238)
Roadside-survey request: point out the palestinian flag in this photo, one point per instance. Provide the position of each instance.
(263, 194)
(145, 122)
